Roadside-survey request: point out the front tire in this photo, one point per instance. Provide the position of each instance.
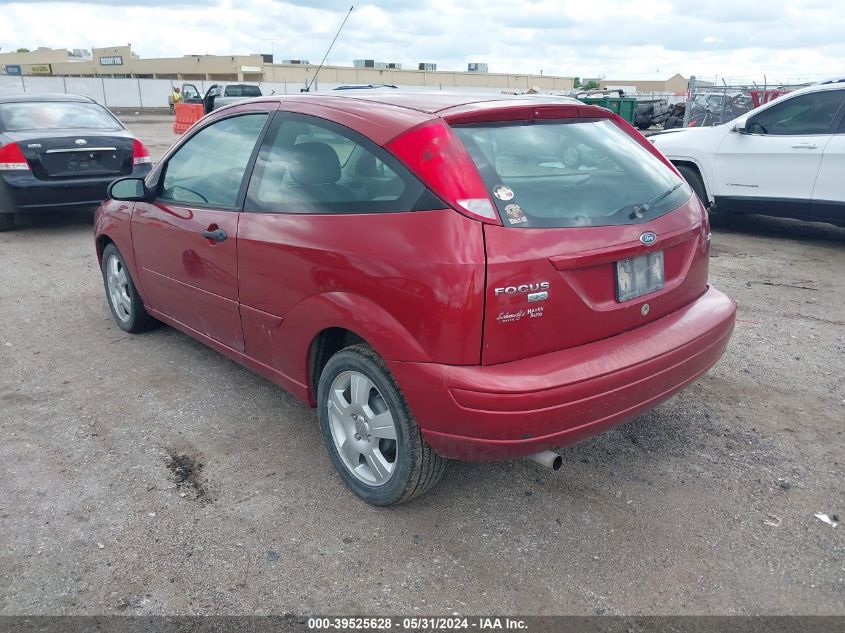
(694, 180)
(369, 430)
(124, 301)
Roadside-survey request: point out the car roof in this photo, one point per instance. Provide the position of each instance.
(382, 114)
(36, 98)
(437, 101)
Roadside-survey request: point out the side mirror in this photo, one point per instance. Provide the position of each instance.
(740, 128)
(128, 189)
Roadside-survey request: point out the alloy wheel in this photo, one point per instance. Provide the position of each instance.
(118, 285)
(362, 428)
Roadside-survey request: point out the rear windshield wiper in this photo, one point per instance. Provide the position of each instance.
(641, 209)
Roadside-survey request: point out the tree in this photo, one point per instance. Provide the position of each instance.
(590, 85)
(23, 50)
(576, 83)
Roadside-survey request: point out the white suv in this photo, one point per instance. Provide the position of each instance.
(785, 158)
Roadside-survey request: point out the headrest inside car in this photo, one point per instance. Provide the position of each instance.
(314, 164)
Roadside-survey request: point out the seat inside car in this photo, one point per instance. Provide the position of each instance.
(315, 168)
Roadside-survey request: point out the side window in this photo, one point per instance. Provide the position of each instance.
(209, 168)
(190, 92)
(310, 165)
(808, 114)
(232, 91)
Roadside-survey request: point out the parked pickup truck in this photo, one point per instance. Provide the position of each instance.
(219, 95)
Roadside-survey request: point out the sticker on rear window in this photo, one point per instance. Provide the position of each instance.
(515, 214)
(503, 193)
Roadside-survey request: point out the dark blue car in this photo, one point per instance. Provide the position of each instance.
(61, 151)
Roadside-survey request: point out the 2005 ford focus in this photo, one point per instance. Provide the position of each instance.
(440, 275)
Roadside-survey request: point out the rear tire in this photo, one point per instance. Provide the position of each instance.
(695, 182)
(369, 430)
(7, 221)
(123, 299)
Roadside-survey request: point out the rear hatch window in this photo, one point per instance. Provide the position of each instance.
(570, 173)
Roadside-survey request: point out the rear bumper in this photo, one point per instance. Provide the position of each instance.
(21, 192)
(510, 410)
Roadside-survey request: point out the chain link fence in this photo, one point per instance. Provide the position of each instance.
(712, 102)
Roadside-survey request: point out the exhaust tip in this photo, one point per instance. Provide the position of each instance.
(549, 459)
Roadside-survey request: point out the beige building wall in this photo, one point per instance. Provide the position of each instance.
(211, 67)
(37, 57)
(676, 84)
(408, 77)
(119, 61)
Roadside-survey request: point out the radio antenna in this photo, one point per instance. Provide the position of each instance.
(314, 78)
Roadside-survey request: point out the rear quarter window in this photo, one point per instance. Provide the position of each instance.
(570, 173)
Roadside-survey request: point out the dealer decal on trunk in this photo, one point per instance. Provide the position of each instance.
(509, 317)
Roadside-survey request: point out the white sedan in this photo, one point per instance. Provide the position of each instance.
(785, 158)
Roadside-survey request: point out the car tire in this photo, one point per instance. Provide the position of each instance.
(672, 122)
(123, 298)
(369, 430)
(7, 221)
(695, 182)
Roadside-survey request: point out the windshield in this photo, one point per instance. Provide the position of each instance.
(56, 115)
(579, 172)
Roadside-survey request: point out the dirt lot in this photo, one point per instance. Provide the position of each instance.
(149, 475)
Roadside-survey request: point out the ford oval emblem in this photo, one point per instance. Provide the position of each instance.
(648, 237)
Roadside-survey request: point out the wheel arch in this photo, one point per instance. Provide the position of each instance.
(101, 241)
(324, 345)
(326, 323)
(692, 164)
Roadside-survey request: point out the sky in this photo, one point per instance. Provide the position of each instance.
(781, 39)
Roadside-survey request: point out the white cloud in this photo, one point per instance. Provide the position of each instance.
(780, 38)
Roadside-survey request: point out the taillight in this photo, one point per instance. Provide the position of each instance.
(439, 159)
(140, 154)
(12, 158)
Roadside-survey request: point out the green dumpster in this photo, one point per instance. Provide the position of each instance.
(623, 106)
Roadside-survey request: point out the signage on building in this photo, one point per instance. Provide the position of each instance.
(41, 69)
(114, 60)
(13, 69)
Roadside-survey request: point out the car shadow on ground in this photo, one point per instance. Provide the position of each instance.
(765, 226)
(54, 219)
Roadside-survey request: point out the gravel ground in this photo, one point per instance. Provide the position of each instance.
(703, 506)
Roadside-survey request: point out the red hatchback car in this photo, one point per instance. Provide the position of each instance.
(440, 275)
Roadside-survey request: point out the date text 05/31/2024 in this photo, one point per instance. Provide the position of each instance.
(417, 623)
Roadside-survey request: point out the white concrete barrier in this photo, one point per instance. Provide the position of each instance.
(153, 93)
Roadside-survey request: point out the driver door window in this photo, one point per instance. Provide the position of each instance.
(209, 168)
(800, 116)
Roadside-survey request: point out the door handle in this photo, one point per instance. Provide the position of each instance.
(217, 235)
(805, 146)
